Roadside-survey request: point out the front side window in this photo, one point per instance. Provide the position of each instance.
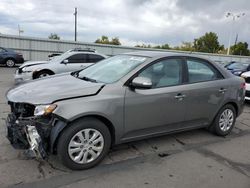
(111, 69)
(201, 71)
(164, 73)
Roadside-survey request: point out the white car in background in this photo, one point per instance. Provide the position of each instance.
(69, 61)
(246, 76)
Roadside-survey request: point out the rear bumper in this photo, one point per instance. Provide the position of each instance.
(20, 60)
(23, 134)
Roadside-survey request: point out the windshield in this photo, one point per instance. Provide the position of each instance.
(60, 58)
(240, 66)
(112, 69)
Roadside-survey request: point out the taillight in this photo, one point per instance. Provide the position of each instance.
(243, 85)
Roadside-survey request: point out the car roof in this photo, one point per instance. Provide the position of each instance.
(159, 54)
(85, 52)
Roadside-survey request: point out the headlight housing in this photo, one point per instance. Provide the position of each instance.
(243, 76)
(41, 110)
(237, 73)
(24, 70)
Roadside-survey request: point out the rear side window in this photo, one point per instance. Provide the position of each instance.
(201, 71)
(78, 58)
(92, 58)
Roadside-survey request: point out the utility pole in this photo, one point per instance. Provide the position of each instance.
(19, 30)
(234, 17)
(236, 39)
(75, 14)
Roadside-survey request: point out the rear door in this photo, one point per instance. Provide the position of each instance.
(206, 90)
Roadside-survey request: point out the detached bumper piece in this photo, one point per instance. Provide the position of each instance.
(35, 142)
(23, 134)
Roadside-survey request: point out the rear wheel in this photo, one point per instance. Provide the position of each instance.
(224, 121)
(10, 62)
(84, 144)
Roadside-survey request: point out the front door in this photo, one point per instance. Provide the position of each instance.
(159, 109)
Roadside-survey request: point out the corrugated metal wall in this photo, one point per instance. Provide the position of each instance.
(38, 49)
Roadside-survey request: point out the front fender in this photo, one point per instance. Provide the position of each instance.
(55, 131)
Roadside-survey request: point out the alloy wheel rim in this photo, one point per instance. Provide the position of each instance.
(86, 146)
(10, 63)
(226, 120)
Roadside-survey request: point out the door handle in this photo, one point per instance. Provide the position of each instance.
(222, 90)
(179, 96)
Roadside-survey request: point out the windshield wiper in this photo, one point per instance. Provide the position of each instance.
(89, 79)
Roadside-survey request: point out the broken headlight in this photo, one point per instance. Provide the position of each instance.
(44, 109)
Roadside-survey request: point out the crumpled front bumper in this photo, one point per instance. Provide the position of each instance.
(23, 134)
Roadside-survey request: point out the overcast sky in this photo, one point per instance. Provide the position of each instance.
(133, 21)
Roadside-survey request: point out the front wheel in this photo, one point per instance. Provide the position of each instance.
(84, 144)
(224, 121)
(42, 74)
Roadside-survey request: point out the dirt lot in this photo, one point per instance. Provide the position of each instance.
(190, 159)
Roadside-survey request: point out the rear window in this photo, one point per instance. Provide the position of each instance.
(94, 58)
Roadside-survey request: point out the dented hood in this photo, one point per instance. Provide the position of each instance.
(31, 63)
(48, 90)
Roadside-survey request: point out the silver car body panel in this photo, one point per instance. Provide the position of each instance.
(137, 113)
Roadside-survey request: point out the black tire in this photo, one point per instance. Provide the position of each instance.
(215, 127)
(68, 134)
(43, 72)
(11, 64)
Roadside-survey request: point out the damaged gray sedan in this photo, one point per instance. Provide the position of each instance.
(123, 98)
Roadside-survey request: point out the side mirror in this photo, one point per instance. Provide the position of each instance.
(65, 61)
(141, 83)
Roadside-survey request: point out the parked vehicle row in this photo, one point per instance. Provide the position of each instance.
(133, 96)
(9, 57)
(69, 61)
(237, 68)
(246, 76)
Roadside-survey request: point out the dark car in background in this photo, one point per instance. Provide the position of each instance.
(9, 57)
(237, 68)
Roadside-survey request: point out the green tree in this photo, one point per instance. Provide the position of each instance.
(207, 43)
(54, 36)
(115, 41)
(105, 40)
(185, 46)
(164, 46)
(143, 46)
(241, 48)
